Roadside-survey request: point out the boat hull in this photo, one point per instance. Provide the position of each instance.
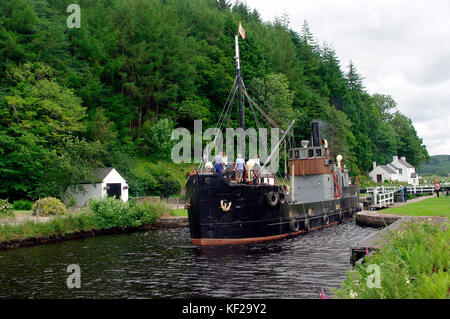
(225, 213)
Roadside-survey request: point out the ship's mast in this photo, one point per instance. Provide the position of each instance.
(239, 81)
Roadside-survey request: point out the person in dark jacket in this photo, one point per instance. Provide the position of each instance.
(405, 192)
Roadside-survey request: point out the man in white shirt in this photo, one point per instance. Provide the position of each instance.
(239, 168)
(225, 159)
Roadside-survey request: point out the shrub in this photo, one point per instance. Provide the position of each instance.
(153, 180)
(72, 202)
(167, 184)
(110, 212)
(146, 212)
(49, 206)
(22, 205)
(6, 210)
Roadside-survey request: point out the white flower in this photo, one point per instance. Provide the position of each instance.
(407, 281)
(353, 295)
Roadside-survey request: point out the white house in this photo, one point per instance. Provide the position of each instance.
(399, 170)
(109, 183)
(382, 173)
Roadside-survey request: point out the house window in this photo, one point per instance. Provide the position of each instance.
(400, 171)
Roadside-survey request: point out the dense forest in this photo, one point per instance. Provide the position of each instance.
(110, 92)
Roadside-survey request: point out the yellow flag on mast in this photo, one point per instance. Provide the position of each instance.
(241, 30)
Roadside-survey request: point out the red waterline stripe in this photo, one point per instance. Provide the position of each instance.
(236, 241)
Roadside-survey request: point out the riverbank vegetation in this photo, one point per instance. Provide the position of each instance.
(102, 214)
(110, 92)
(413, 263)
(427, 207)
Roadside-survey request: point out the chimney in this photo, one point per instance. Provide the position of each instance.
(403, 158)
(395, 158)
(374, 165)
(315, 133)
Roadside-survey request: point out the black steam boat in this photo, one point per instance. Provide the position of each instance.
(223, 212)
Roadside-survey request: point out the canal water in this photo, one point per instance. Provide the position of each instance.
(163, 264)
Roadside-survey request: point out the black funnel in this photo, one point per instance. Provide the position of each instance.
(315, 134)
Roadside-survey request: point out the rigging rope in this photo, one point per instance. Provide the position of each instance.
(267, 117)
(226, 108)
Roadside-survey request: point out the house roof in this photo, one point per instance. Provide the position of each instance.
(388, 169)
(101, 174)
(405, 163)
(392, 166)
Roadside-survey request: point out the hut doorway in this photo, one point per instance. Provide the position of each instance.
(114, 189)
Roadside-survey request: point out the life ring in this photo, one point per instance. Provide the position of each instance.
(307, 226)
(295, 225)
(272, 198)
(282, 197)
(326, 220)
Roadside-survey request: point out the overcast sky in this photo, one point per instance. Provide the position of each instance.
(401, 48)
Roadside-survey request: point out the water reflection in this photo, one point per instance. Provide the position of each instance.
(163, 264)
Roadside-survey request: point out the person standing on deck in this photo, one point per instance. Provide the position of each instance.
(256, 160)
(225, 159)
(405, 192)
(239, 168)
(218, 163)
(437, 187)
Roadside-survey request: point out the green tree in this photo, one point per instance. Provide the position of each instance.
(385, 104)
(275, 97)
(39, 124)
(156, 139)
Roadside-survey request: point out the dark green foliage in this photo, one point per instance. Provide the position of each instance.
(40, 121)
(109, 212)
(72, 100)
(153, 179)
(22, 205)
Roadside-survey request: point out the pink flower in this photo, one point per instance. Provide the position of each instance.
(323, 296)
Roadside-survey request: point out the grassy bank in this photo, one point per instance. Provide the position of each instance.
(427, 207)
(102, 214)
(180, 212)
(413, 263)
